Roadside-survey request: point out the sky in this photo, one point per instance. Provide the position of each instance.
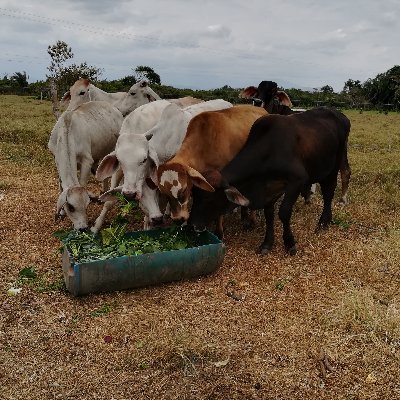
(206, 44)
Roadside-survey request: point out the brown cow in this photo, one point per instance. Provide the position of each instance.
(212, 139)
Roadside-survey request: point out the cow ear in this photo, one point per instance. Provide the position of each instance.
(110, 194)
(62, 199)
(153, 157)
(199, 180)
(284, 99)
(152, 179)
(249, 92)
(236, 197)
(108, 165)
(67, 96)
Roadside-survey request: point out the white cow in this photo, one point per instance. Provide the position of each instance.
(83, 91)
(143, 118)
(78, 141)
(138, 154)
(138, 122)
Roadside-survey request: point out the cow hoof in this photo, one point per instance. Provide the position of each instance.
(321, 227)
(292, 251)
(263, 250)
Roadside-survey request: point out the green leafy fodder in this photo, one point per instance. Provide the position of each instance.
(116, 242)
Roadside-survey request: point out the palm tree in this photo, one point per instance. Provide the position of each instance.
(20, 79)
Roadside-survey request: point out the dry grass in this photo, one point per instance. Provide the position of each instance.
(321, 325)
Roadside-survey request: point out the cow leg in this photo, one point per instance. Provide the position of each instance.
(268, 242)
(248, 218)
(61, 214)
(116, 178)
(285, 213)
(100, 219)
(328, 187)
(219, 228)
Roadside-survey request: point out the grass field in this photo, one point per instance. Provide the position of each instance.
(324, 324)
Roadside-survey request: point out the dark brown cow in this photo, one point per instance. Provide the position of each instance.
(273, 100)
(282, 156)
(212, 139)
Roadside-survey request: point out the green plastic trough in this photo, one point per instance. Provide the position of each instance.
(130, 272)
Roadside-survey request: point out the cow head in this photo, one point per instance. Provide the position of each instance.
(175, 181)
(135, 157)
(140, 93)
(266, 91)
(208, 206)
(78, 94)
(74, 201)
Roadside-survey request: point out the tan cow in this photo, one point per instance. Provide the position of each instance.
(212, 139)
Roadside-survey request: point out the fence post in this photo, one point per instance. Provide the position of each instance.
(54, 99)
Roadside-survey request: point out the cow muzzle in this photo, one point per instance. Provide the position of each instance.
(131, 195)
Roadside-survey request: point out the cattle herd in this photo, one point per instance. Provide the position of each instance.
(194, 161)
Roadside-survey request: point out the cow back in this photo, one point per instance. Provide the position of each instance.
(315, 139)
(213, 138)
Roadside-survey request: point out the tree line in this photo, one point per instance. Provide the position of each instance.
(381, 92)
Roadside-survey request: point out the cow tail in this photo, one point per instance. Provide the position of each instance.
(345, 170)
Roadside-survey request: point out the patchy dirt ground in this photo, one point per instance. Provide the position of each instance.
(260, 327)
(323, 324)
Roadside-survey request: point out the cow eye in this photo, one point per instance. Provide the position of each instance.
(133, 93)
(81, 93)
(144, 161)
(70, 207)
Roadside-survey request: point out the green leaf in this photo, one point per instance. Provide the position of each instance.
(27, 273)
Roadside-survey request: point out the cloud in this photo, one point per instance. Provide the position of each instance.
(218, 31)
(307, 42)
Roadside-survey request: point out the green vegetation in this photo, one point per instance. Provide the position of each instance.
(30, 277)
(116, 242)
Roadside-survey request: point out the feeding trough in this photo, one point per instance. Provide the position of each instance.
(134, 271)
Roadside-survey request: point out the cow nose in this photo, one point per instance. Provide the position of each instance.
(83, 229)
(129, 195)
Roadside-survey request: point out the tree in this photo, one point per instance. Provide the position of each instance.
(327, 89)
(19, 79)
(385, 87)
(64, 75)
(353, 90)
(144, 72)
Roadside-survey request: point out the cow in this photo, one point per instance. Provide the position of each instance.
(83, 91)
(212, 139)
(78, 141)
(273, 100)
(137, 122)
(278, 102)
(186, 101)
(282, 156)
(137, 154)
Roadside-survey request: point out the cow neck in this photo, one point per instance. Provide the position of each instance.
(66, 154)
(98, 94)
